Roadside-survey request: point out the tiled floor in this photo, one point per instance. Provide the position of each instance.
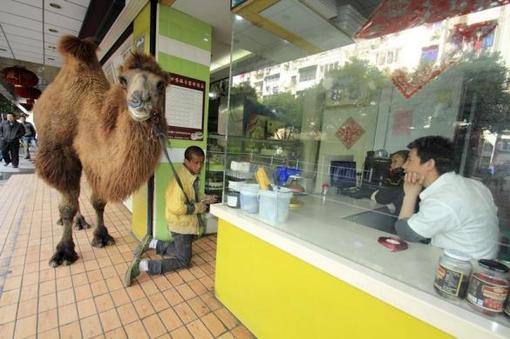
(87, 299)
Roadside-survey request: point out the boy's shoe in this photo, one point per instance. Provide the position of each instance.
(143, 246)
(132, 272)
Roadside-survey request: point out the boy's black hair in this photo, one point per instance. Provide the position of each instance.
(188, 153)
(438, 148)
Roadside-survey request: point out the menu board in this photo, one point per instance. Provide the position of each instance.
(184, 107)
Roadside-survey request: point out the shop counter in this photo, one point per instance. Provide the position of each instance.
(319, 275)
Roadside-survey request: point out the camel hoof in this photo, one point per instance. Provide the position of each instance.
(81, 224)
(64, 254)
(102, 238)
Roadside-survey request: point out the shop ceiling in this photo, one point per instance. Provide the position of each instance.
(30, 29)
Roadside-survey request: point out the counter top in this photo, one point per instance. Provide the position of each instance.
(318, 234)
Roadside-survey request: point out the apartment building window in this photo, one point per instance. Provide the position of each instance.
(429, 53)
(307, 73)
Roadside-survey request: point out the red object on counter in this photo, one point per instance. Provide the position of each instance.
(393, 244)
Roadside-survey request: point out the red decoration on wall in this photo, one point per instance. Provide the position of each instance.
(19, 76)
(397, 15)
(350, 132)
(410, 83)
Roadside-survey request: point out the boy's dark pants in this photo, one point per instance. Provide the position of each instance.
(179, 251)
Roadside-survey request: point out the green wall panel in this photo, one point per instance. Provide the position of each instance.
(180, 26)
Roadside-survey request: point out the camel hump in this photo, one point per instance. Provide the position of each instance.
(81, 49)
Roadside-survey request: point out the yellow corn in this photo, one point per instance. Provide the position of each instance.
(262, 179)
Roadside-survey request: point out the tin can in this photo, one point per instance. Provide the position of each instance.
(488, 286)
(452, 274)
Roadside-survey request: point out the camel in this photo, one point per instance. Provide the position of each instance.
(110, 132)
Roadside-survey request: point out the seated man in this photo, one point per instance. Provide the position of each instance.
(391, 193)
(455, 212)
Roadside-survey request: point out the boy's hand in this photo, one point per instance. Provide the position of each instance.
(210, 199)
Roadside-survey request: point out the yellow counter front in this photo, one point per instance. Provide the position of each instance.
(281, 284)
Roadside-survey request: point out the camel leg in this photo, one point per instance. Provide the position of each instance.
(101, 236)
(65, 252)
(79, 221)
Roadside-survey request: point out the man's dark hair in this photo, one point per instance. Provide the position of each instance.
(402, 153)
(188, 153)
(438, 148)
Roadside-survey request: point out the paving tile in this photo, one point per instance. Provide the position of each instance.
(47, 320)
(198, 330)
(185, 291)
(170, 319)
(185, 313)
(211, 301)
(135, 292)
(159, 302)
(103, 302)
(10, 297)
(198, 306)
(25, 327)
(67, 314)
(127, 313)
(98, 288)
(136, 330)
(240, 332)
(154, 326)
(213, 324)
(51, 334)
(118, 333)
(114, 283)
(8, 313)
(71, 331)
(83, 292)
(226, 335)
(197, 287)
(86, 308)
(91, 326)
(110, 320)
(181, 333)
(47, 302)
(226, 318)
(65, 297)
(47, 287)
(120, 297)
(143, 307)
(173, 297)
(27, 308)
(7, 329)
(149, 287)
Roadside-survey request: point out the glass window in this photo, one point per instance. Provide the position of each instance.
(339, 139)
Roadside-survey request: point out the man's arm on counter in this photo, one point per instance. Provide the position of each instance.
(405, 232)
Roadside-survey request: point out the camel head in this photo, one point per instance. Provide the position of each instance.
(144, 83)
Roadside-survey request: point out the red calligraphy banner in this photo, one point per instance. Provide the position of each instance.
(397, 15)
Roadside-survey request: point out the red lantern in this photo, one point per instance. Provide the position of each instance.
(27, 92)
(19, 76)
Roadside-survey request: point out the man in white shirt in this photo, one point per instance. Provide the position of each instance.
(455, 212)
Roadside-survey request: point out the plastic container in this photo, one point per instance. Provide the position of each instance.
(233, 199)
(488, 286)
(274, 205)
(249, 198)
(452, 274)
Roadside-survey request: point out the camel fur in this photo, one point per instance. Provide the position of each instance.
(107, 131)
